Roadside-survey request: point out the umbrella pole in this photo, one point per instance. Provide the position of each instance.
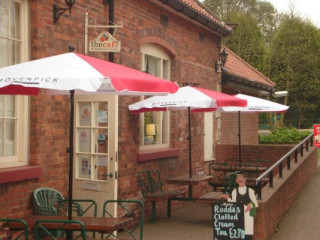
(189, 138)
(239, 136)
(70, 151)
(190, 166)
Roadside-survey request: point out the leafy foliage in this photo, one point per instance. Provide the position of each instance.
(246, 40)
(284, 135)
(284, 47)
(295, 67)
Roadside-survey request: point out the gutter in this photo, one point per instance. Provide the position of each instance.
(198, 17)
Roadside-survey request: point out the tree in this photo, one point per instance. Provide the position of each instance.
(262, 11)
(255, 20)
(294, 65)
(246, 40)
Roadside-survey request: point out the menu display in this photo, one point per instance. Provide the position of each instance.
(228, 221)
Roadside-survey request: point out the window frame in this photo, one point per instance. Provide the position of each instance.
(22, 105)
(156, 51)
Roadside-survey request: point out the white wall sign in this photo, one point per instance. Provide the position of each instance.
(104, 42)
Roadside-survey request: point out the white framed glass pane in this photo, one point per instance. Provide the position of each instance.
(2, 105)
(2, 138)
(102, 114)
(10, 106)
(10, 139)
(84, 114)
(152, 65)
(101, 142)
(15, 19)
(15, 52)
(84, 166)
(4, 43)
(165, 127)
(84, 140)
(4, 9)
(101, 167)
(156, 128)
(166, 70)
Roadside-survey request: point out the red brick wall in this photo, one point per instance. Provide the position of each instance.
(192, 61)
(230, 128)
(262, 151)
(276, 201)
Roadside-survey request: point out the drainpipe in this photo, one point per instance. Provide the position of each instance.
(111, 22)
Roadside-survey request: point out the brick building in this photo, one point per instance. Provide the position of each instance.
(178, 40)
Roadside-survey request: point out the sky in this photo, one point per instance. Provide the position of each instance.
(303, 8)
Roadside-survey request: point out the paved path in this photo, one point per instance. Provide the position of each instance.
(190, 222)
(303, 219)
(193, 221)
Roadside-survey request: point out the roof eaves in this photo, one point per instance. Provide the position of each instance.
(196, 15)
(245, 81)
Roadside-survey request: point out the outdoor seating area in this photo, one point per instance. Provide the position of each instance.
(125, 216)
(152, 190)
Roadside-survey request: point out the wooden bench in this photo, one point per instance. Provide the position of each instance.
(219, 171)
(151, 188)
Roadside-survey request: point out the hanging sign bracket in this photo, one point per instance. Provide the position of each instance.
(104, 41)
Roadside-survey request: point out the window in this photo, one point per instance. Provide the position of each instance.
(13, 109)
(154, 126)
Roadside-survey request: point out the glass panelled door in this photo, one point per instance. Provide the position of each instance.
(92, 132)
(96, 148)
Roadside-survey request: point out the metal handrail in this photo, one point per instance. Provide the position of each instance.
(269, 171)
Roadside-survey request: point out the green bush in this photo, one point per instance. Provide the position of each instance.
(283, 135)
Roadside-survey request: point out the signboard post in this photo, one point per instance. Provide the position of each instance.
(316, 135)
(228, 221)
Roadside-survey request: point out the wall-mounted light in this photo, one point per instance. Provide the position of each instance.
(223, 56)
(58, 11)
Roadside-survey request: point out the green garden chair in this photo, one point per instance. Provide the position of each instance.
(45, 201)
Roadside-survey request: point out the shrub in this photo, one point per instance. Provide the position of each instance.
(284, 135)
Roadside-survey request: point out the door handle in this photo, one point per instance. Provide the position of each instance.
(108, 175)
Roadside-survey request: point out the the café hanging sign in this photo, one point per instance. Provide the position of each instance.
(104, 42)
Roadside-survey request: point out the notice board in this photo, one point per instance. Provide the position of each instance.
(316, 135)
(228, 221)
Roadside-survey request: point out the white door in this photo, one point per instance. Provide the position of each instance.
(208, 136)
(95, 153)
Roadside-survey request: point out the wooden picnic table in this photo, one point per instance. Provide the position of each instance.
(190, 181)
(228, 168)
(186, 180)
(99, 224)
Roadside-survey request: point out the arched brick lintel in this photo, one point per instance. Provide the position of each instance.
(159, 41)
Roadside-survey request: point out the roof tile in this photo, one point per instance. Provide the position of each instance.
(199, 7)
(236, 66)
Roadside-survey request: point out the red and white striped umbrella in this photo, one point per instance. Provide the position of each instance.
(197, 99)
(255, 105)
(72, 71)
(191, 99)
(76, 73)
